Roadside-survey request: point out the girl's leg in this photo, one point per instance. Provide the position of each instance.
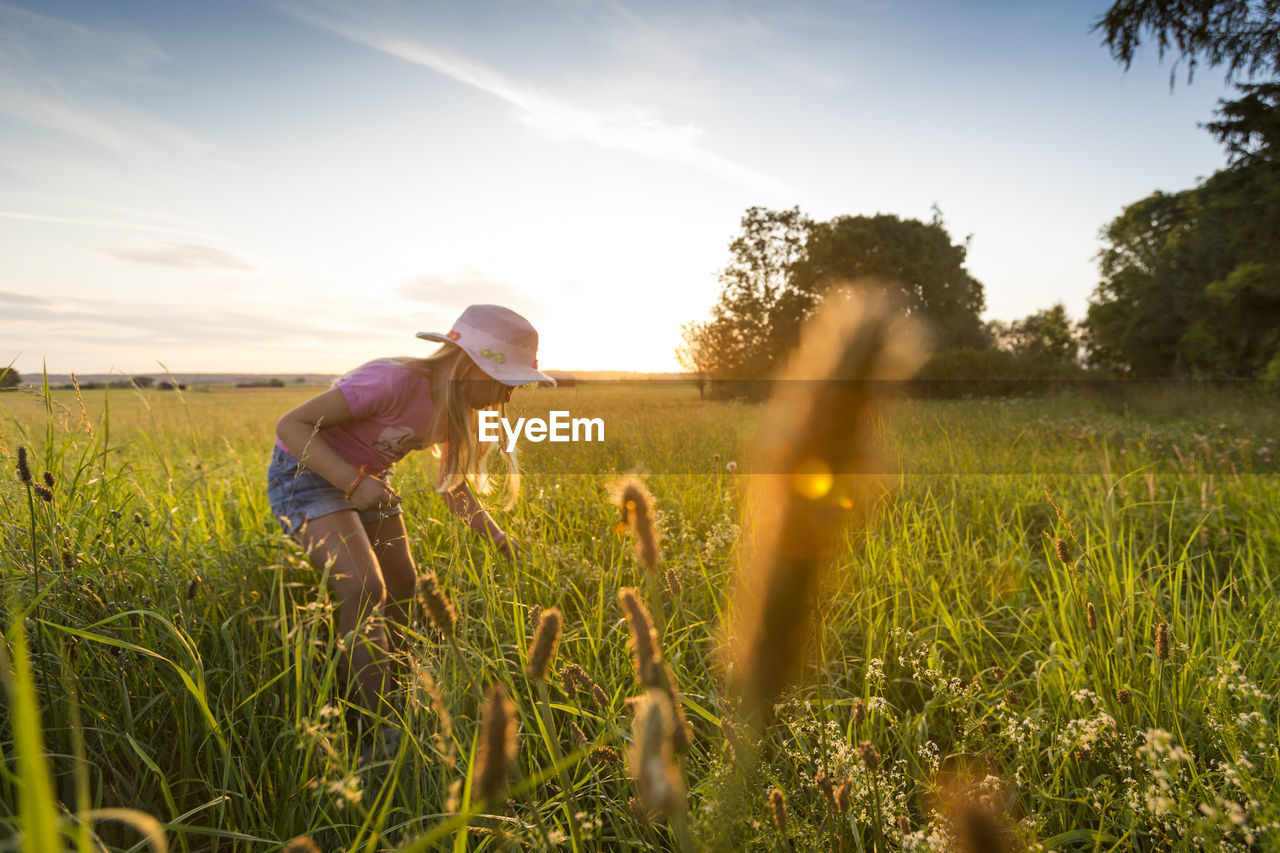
(339, 540)
(391, 545)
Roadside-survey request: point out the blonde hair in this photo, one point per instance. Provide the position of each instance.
(465, 458)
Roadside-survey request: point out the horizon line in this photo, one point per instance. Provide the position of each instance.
(178, 374)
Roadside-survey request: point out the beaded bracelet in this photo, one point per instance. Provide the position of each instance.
(360, 475)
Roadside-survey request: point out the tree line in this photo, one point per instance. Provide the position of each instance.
(1189, 281)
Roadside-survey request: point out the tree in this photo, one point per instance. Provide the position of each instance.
(1135, 318)
(782, 264)
(9, 378)
(1045, 338)
(758, 314)
(917, 259)
(1249, 127)
(1243, 35)
(1242, 327)
(1191, 281)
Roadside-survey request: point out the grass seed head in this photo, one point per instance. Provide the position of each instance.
(581, 678)
(638, 812)
(302, 844)
(193, 587)
(778, 802)
(652, 766)
(427, 691)
(24, 467)
(49, 480)
(870, 757)
(1123, 696)
(682, 732)
(497, 745)
(674, 585)
(453, 796)
(1162, 641)
(823, 781)
(637, 511)
(534, 616)
(45, 495)
(605, 756)
(1090, 617)
(732, 739)
(579, 737)
(844, 795)
(600, 697)
(570, 680)
(859, 712)
(644, 642)
(545, 641)
(437, 604)
(1064, 551)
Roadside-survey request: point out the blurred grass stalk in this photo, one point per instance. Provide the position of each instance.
(41, 828)
(816, 451)
(37, 817)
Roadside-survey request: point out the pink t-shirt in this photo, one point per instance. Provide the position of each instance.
(392, 408)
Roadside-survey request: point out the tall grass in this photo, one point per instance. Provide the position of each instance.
(180, 660)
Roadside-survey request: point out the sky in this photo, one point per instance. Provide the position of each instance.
(299, 185)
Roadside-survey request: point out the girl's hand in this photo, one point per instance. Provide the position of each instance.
(373, 493)
(506, 546)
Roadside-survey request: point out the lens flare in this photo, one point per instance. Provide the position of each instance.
(812, 479)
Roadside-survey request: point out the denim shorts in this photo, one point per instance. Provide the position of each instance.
(298, 494)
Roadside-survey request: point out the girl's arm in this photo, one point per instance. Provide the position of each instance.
(299, 431)
(462, 503)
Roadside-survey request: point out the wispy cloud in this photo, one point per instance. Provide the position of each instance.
(115, 224)
(56, 73)
(620, 127)
(115, 322)
(448, 290)
(21, 100)
(20, 300)
(185, 255)
(687, 39)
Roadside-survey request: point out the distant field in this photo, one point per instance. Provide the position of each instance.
(182, 645)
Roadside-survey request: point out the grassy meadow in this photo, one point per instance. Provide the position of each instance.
(180, 651)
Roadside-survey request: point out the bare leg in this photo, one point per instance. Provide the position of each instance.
(340, 540)
(391, 545)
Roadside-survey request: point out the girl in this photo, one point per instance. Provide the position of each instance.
(329, 481)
